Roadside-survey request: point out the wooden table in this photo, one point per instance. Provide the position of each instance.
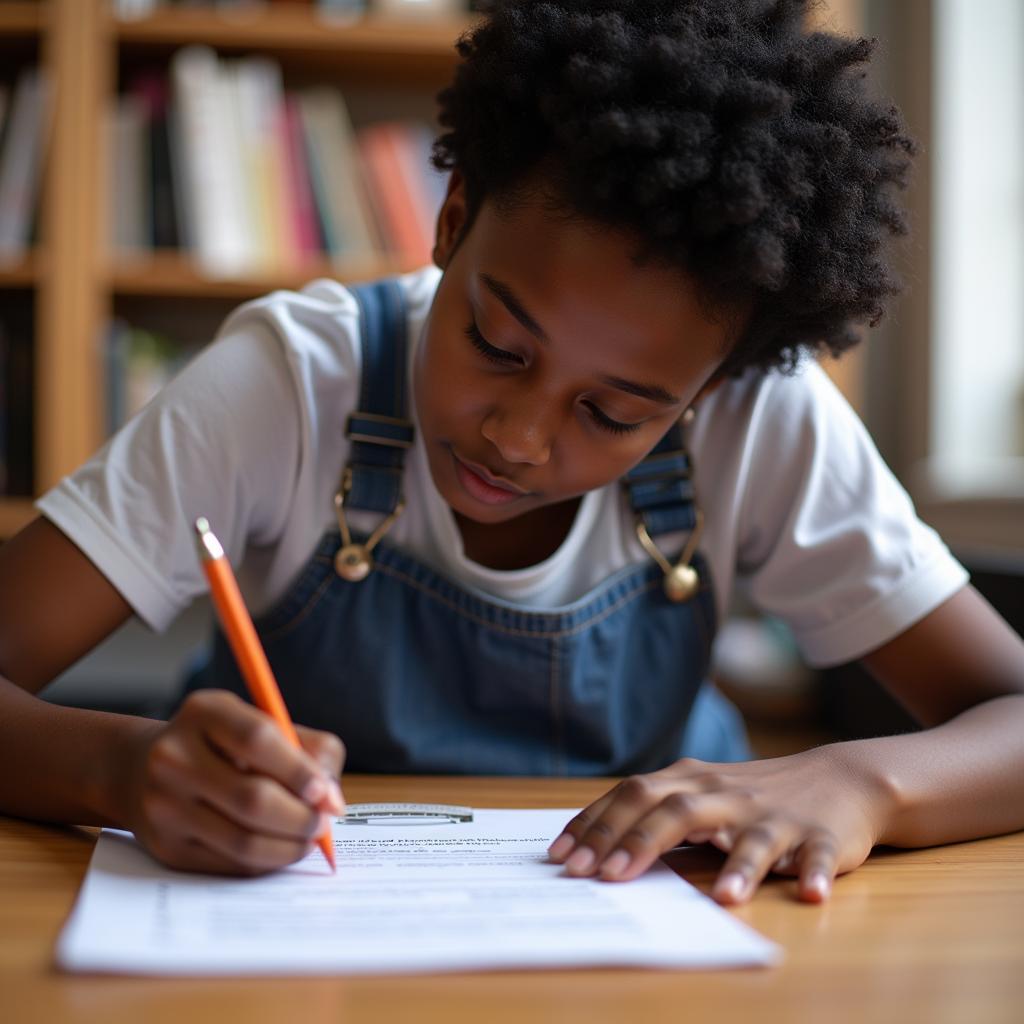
(931, 935)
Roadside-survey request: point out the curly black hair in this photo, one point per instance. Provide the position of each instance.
(728, 139)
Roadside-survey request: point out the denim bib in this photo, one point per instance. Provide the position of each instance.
(419, 673)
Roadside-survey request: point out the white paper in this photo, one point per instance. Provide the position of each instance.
(406, 897)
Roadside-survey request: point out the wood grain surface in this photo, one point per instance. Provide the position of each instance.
(931, 935)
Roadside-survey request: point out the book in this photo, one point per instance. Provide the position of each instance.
(265, 160)
(128, 196)
(340, 195)
(210, 160)
(396, 185)
(302, 206)
(21, 161)
(163, 229)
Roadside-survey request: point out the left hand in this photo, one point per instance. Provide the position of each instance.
(814, 814)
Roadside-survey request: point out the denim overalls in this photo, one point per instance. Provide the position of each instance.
(418, 673)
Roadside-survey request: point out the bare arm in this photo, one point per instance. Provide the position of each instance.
(55, 606)
(216, 789)
(818, 813)
(960, 671)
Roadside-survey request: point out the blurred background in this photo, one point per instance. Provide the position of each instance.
(162, 161)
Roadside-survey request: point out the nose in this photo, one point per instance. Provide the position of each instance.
(522, 430)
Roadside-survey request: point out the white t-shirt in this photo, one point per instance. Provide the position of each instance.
(798, 505)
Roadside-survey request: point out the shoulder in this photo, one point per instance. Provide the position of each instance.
(776, 426)
(319, 323)
(823, 533)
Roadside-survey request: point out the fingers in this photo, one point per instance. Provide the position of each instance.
(207, 841)
(194, 772)
(221, 788)
(329, 752)
(818, 862)
(576, 829)
(757, 849)
(670, 823)
(254, 743)
(624, 832)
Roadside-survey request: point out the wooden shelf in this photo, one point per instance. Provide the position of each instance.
(173, 275)
(14, 514)
(21, 273)
(83, 50)
(21, 20)
(407, 49)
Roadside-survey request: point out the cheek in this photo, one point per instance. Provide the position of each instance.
(445, 382)
(599, 465)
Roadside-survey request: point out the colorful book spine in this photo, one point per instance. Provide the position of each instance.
(340, 192)
(395, 193)
(303, 206)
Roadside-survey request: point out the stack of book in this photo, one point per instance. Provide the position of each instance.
(24, 120)
(216, 157)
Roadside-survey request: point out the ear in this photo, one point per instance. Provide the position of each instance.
(451, 221)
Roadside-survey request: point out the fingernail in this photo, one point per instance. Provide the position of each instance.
(581, 861)
(314, 790)
(818, 886)
(561, 846)
(730, 887)
(334, 797)
(616, 864)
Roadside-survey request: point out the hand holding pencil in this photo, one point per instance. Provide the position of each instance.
(219, 788)
(245, 645)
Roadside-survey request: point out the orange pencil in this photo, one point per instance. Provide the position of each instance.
(246, 646)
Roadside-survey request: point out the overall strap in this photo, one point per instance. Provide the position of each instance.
(664, 500)
(380, 430)
(660, 487)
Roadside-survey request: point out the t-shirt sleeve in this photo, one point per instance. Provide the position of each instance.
(829, 541)
(221, 440)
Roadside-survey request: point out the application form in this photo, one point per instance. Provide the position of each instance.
(409, 895)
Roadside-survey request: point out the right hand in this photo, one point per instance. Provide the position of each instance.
(219, 789)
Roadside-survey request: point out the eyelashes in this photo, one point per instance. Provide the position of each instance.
(487, 350)
(607, 423)
(503, 358)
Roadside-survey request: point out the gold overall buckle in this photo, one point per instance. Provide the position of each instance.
(353, 562)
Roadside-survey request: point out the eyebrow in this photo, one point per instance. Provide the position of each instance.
(652, 392)
(514, 306)
(508, 298)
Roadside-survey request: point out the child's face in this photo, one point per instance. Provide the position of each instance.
(550, 363)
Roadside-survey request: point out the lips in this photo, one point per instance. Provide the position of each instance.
(481, 485)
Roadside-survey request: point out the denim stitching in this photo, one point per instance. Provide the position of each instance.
(300, 615)
(430, 592)
(533, 634)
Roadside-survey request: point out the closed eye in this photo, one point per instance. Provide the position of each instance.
(605, 422)
(506, 358)
(487, 350)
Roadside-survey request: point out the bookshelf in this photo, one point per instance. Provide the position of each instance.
(72, 281)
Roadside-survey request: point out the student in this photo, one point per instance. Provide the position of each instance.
(658, 214)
